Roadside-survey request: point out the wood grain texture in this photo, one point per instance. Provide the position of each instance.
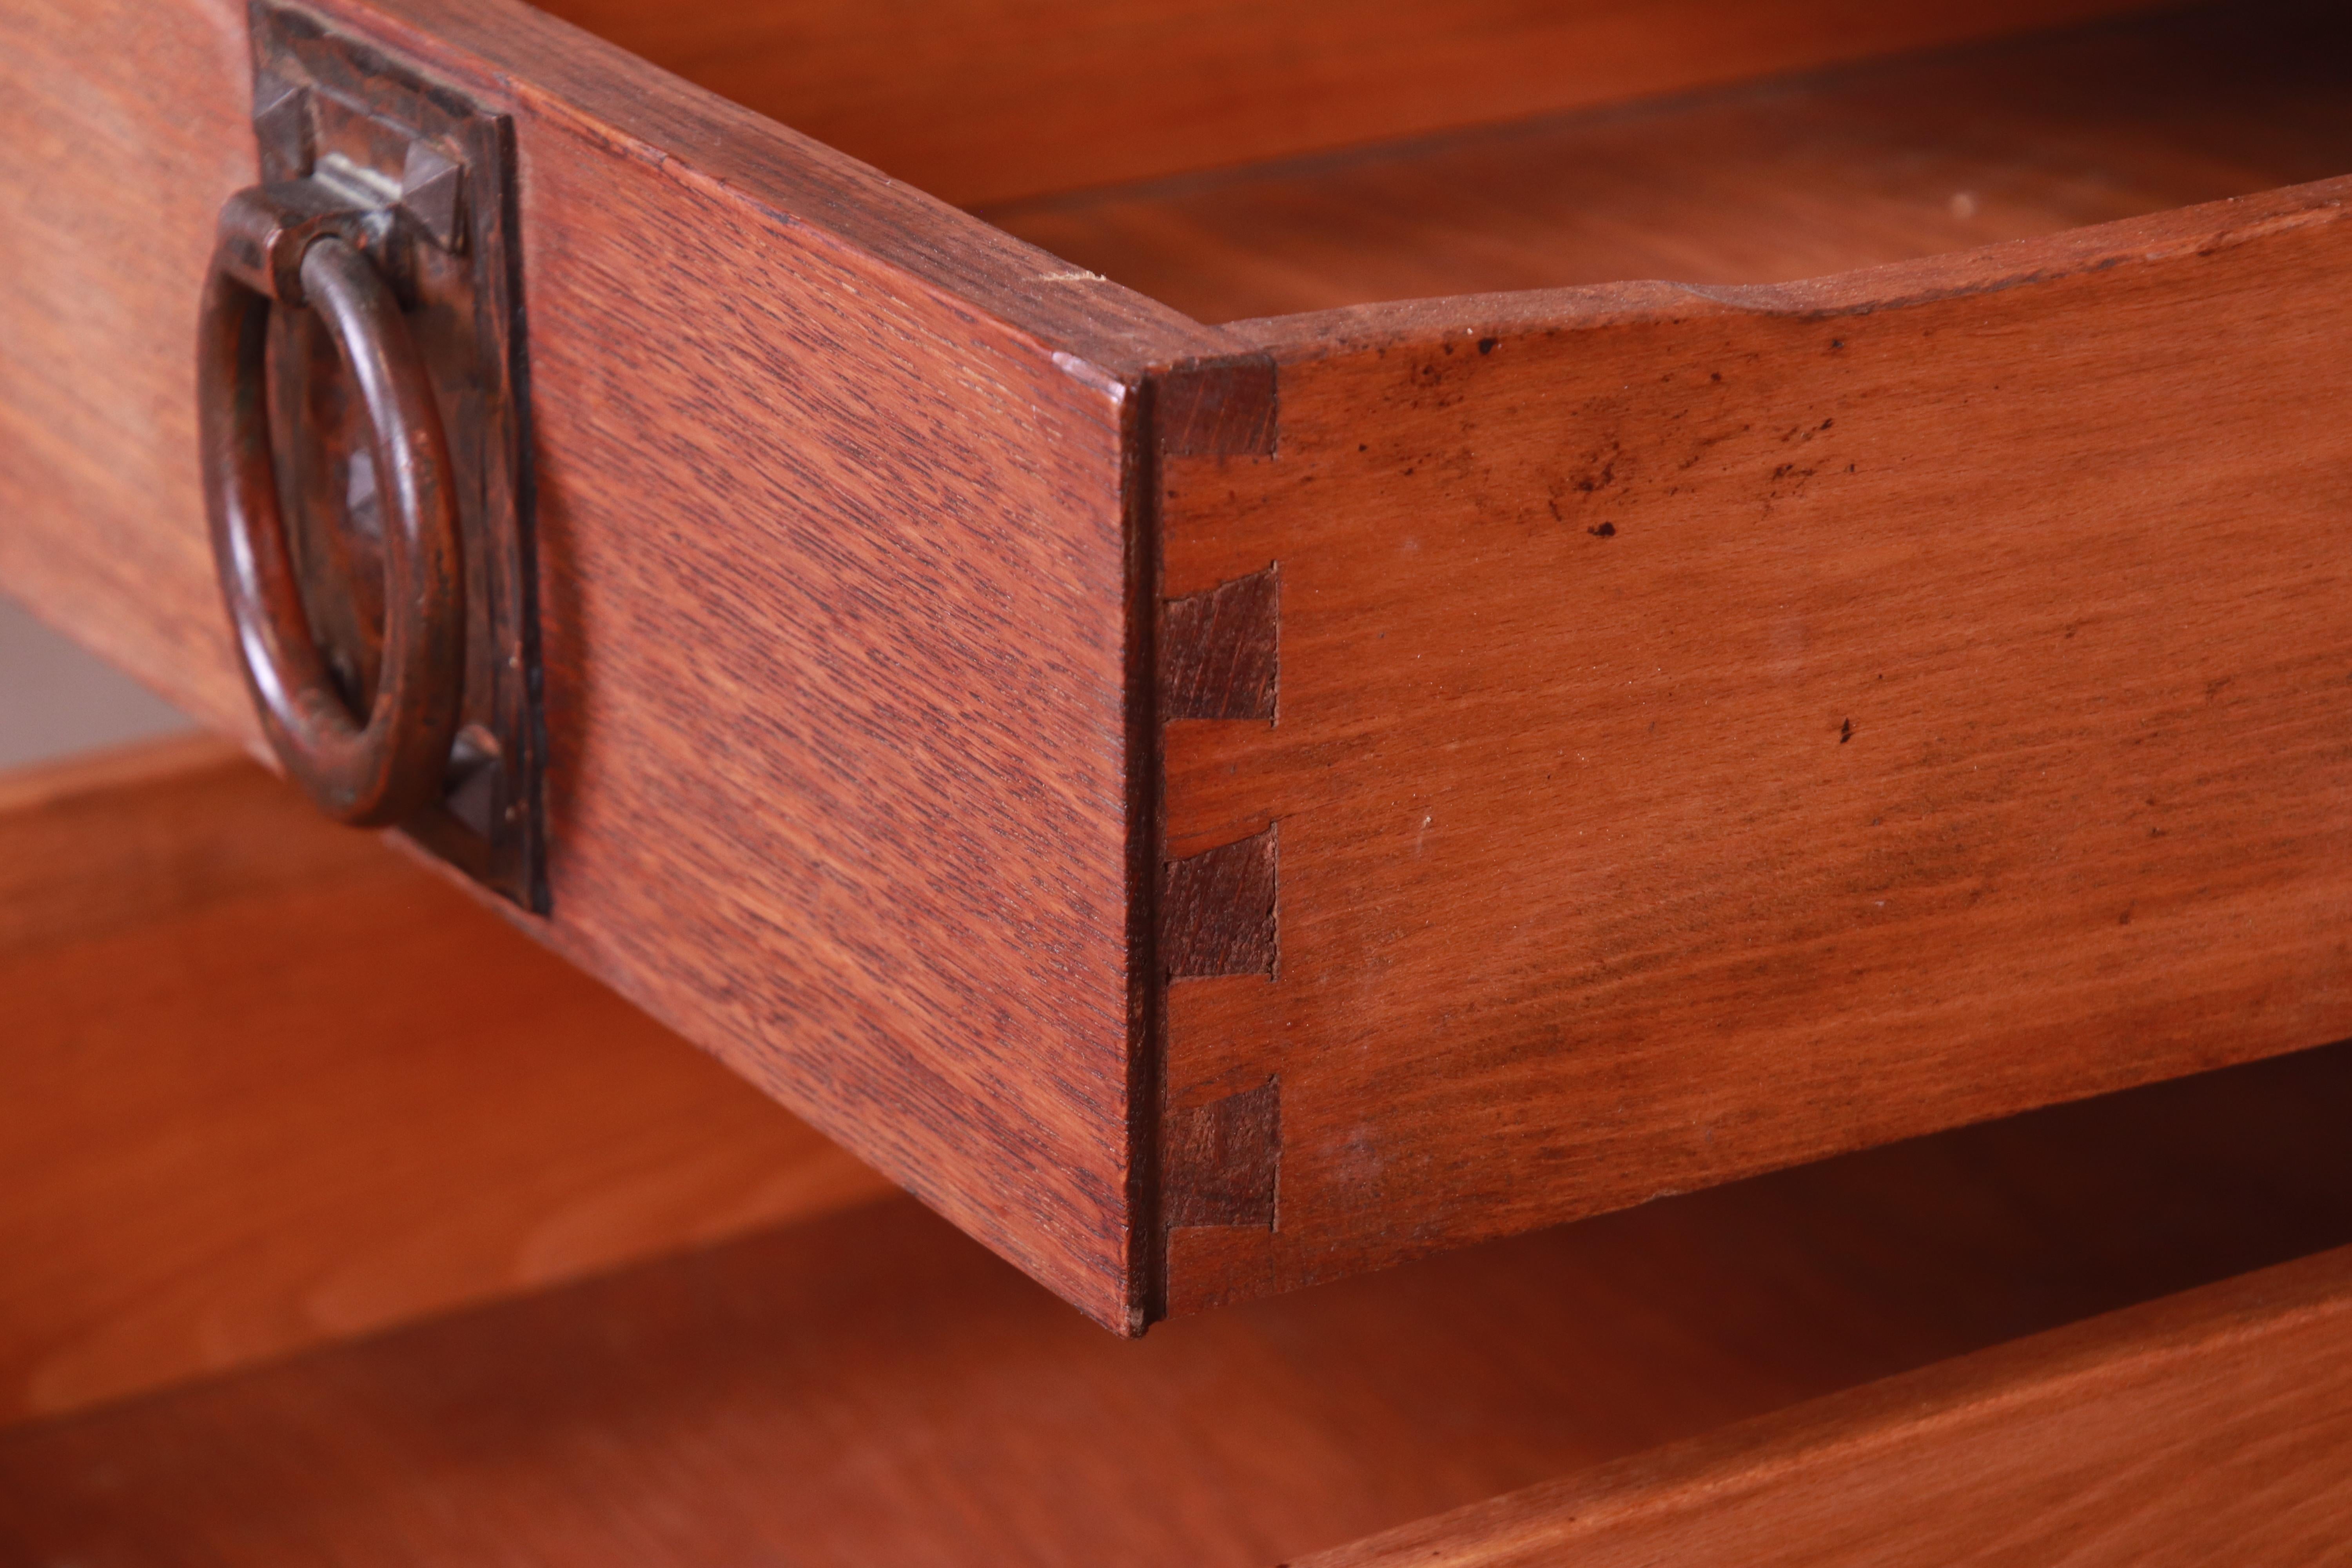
(873, 1389)
(269, 1085)
(1215, 407)
(976, 101)
(1220, 650)
(1224, 1160)
(103, 841)
(1217, 909)
(1719, 728)
(834, 492)
(1765, 182)
(2214, 1426)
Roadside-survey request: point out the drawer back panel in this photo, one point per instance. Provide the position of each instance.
(980, 102)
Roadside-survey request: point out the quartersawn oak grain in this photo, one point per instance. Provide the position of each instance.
(269, 1085)
(2214, 1426)
(1723, 727)
(871, 1388)
(834, 493)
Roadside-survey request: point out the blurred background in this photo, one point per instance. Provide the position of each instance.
(56, 698)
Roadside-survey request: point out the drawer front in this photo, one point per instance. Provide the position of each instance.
(833, 553)
(1707, 730)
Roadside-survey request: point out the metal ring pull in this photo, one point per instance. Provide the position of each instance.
(386, 770)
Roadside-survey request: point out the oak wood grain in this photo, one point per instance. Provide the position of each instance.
(872, 1388)
(1719, 728)
(834, 494)
(269, 1085)
(2212, 1427)
(1759, 182)
(977, 100)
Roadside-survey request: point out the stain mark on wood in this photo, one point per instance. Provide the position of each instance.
(1218, 408)
(1216, 910)
(1223, 1159)
(1218, 649)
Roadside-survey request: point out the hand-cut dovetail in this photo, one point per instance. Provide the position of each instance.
(1218, 650)
(1216, 910)
(1224, 1157)
(1217, 409)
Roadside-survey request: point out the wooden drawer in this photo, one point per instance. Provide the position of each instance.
(1211, 808)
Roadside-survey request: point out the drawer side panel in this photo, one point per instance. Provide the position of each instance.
(1717, 729)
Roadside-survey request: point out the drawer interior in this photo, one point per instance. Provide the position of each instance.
(1878, 163)
(871, 1387)
(2069, 123)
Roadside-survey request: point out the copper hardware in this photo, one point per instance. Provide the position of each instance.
(360, 382)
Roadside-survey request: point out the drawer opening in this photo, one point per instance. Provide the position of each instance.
(872, 1388)
(1741, 173)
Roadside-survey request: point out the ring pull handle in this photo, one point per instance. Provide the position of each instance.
(292, 246)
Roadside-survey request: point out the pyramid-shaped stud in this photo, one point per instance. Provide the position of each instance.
(433, 192)
(281, 124)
